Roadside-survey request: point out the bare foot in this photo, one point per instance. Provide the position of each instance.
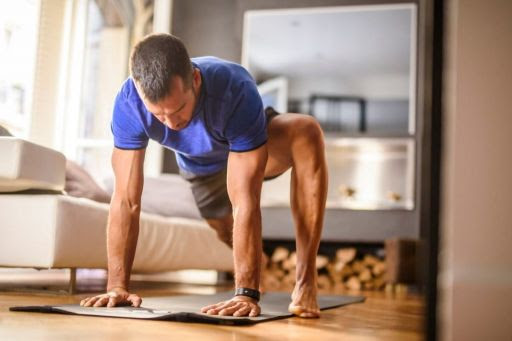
(304, 302)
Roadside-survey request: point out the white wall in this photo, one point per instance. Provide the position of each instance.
(48, 64)
(476, 214)
(388, 87)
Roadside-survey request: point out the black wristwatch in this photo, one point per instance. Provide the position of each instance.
(248, 292)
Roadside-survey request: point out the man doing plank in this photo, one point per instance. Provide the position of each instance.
(209, 112)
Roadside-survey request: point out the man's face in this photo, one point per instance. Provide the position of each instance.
(175, 110)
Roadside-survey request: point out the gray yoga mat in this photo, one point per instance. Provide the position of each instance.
(186, 308)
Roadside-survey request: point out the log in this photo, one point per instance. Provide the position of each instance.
(293, 258)
(370, 285)
(379, 268)
(338, 266)
(288, 282)
(346, 255)
(353, 283)
(287, 264)
(339, 271)
(280, 254)
(275, 272)
(323, 282)
(338, 287)
(271, 283)
(370, 260)
(346, 271)
(379, 282)
(290, 262)
(365, 275)
(291, 273)
(358, 266)
(321, 261)
(333, 275)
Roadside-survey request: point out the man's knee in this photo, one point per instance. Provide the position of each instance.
(308, 131)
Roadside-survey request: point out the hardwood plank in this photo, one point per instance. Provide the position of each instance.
(384, 316)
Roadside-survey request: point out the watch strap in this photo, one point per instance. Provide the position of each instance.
(255, 294)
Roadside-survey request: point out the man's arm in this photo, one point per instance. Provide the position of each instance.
(123, 228)
(244, 180)
(123, 222)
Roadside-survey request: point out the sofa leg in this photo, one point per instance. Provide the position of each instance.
(72, 281)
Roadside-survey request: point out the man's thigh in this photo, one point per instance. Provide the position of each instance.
(280, 143)
(210, 194)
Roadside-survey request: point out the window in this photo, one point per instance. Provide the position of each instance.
(105, 67)
(109, 30)
(18, 37)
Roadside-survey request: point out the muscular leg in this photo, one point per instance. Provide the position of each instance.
(297, 141)
(224, 228)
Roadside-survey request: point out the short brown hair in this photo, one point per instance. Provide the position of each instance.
(155, 60)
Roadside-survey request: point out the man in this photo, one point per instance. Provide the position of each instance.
(210, 113)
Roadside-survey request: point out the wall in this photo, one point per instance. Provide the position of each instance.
(197, 21)
(48, 64)
(476, 212)
(215, 28)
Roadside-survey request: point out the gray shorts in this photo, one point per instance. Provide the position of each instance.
(211, 192)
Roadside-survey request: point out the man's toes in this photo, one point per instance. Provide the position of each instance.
(309, 314)
(295, 309)
(303, 312)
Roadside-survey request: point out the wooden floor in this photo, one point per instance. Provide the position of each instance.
(384, 316)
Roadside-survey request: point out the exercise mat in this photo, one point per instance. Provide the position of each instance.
(186, 308)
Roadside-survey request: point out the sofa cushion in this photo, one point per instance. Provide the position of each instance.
(25, 165)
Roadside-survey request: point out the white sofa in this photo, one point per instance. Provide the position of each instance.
(44, 228)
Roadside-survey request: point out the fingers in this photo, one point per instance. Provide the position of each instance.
(102, 301)
(228, 311)
(255, 311)
(223, 305)
(233, 308)
(246, 309)
(89, 301)
(135, 299)
(211, 306)
(111, 300)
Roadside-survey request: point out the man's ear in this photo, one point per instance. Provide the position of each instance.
(196, 76)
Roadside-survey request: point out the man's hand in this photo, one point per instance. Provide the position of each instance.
(115, 297)
(237, 306)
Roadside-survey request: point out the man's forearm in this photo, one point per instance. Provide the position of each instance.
(247, 245)
(122, 235)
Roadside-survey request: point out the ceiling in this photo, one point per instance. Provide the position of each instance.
(336, 42)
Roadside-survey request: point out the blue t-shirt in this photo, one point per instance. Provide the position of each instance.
(228, 117)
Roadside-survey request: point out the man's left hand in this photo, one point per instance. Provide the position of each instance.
(237, 306)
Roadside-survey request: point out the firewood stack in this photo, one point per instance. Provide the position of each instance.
(345, 271)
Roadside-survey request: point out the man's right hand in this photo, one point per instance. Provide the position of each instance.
(115, 297)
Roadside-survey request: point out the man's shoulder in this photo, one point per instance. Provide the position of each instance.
(128, 103)
(128, 92)
(221, 72)
(215, 63)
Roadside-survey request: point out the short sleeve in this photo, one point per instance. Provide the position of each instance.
(126, 127)
(246, 127)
